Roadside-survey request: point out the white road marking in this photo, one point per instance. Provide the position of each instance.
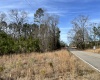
(87, 62)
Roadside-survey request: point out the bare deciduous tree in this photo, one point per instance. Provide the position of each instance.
(3, 23)
(18, 17)
(80, 25)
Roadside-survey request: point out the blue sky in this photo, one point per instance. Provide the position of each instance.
(66, 9)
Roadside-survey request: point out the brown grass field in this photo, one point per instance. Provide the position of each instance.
(57, 65)
(94, 51)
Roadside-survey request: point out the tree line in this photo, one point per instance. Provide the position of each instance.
(19, 36)
(84, 34)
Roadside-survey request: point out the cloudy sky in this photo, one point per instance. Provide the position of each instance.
(66, 9)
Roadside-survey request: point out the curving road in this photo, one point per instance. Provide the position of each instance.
(92, 59)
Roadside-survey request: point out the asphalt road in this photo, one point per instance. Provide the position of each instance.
(92, 59)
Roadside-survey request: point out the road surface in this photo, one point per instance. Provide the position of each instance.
(92, 59)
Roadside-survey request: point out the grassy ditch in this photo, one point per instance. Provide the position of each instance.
(57, 65)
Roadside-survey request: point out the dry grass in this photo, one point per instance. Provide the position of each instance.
(58, 65)
(94, 51)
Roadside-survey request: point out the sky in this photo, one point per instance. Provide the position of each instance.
(67, 10)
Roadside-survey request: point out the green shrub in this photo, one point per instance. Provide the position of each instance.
(9, 45)
(6, 43)
(33, 45)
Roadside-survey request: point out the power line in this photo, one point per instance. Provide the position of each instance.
(28, 2)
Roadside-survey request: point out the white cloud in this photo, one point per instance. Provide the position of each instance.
(62, 28)
(95, 20)
(8, 7)
(31, 15)
(57, 12)
(64, 0)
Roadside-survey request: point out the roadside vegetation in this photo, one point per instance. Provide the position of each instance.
(33, 51)
(18, 35)
(93, 51)
(84, 34)
(57, 65)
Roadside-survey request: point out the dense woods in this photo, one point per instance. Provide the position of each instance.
(19, 36)
(84, 34)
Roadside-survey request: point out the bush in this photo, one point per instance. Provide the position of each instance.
(6, 43)
(33, 45)
(62, 44)
(10, 45)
